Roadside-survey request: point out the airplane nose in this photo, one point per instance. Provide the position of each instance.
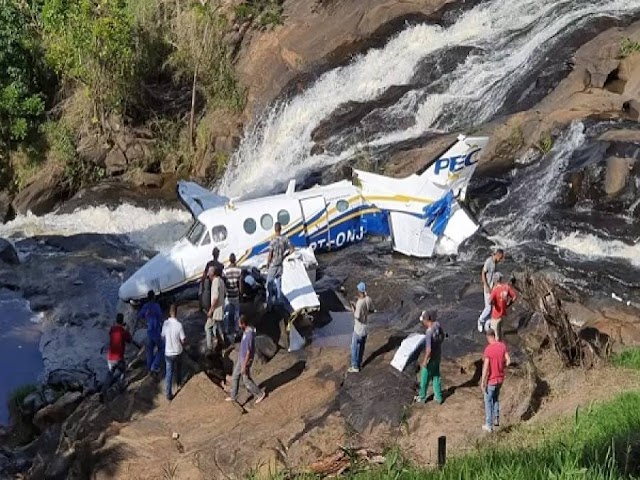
(135, 287)
(158, 274)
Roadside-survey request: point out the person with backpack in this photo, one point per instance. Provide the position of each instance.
(430, 365)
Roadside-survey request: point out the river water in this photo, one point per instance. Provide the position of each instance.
(487, 60)
(19, 347)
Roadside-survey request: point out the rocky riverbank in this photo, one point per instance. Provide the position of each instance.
(558, 186)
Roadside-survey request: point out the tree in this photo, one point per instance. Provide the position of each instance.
(199, 46)
(93, 42)
(21, 99)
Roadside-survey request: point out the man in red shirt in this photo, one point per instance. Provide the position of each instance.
(502, 296)
(119, 336)
(496, 358)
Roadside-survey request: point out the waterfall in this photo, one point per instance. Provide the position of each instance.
(507, 39)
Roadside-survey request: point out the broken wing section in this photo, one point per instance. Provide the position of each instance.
(197, 199)
(298, 270)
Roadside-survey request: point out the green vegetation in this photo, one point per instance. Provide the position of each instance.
(628, 47)
(267, 13)
(544, 143)
(598, 443)
(17, 397)
(21, 97)
(72, 69)
(629, 358)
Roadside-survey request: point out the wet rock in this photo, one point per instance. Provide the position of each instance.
(42, 194)
(226, 144)
(364, 407)
(140, 336)
(58, 411)
(49, 395)
(115, 162)
(8, 253)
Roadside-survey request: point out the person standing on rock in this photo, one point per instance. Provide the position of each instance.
(214, 262)
(233, 283)
(502, 296)
(361, 310)
(173, 335)
(279, 248)
(215, 316)
(119, 336)
(430, 365)
(486, 277)
(496, 359)
(242, 368)
(152, 313)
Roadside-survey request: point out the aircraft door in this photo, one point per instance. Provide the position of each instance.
(316, 225)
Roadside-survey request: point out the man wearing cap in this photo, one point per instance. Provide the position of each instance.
(502, 296)
(361, 310)
(430, 366)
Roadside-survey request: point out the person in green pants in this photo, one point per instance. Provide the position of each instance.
(430, 366)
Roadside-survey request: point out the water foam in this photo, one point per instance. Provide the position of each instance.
(147, 229)
(510, 36)
(595, 247)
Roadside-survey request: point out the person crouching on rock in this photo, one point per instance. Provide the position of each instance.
(119, 336)
(152, 313)
(430, 365)
(502, 296)
(361, 310)
(173, 335)
(242, 368)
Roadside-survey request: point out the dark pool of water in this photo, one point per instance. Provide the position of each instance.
(20, 359)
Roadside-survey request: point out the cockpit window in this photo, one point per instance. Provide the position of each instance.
(195, 233)
(206, 240)
(219, 233)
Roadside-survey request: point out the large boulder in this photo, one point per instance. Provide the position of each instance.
(6, 210)
(43, 194)
(115, 162)
(58, 411)
(93, 149)
(8, 253)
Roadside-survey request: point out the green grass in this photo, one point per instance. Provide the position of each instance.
(17, 397)
(628, 47)
(629, 358)
(601, 442)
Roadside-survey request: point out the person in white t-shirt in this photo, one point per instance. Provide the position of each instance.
(173, 336)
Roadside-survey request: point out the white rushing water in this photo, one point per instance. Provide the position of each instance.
(145, 228)
(594, 247)
(510, 36)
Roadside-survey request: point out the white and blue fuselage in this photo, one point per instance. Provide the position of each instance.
(418, 213)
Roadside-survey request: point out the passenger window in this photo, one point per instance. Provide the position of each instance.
(266, 221)
(249, 226)
(342, 205)
(206, 239)
(219, 233)
(283, 217)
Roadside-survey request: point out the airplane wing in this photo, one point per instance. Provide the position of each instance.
(296, 284)
(198, 199)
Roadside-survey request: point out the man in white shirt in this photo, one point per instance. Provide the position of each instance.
(173, 336)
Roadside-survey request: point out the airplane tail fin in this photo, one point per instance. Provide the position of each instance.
(453, 169)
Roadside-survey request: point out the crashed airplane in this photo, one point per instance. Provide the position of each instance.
(421, 214)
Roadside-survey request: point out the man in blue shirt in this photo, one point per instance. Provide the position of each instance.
(242, 368)
(152, 313)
